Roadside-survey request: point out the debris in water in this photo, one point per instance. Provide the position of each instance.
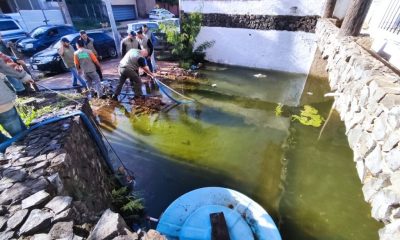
(310, 93)
(309, 117)
(213, 85)
(259, 75)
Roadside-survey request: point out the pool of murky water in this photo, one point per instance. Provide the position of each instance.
(232, 137)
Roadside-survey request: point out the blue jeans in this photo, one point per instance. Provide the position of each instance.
(75, 77)
(12, 123)
(16, 84)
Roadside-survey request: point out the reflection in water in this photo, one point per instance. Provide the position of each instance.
(232, 138)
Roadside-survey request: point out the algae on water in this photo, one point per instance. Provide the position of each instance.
(309, 117)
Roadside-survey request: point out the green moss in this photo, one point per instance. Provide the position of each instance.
(278, 110)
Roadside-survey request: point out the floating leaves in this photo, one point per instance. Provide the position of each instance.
(309, 117)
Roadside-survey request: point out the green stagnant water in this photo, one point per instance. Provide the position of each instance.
(232, 137)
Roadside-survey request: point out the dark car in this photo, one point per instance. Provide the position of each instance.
(49, 60)
(42, 37)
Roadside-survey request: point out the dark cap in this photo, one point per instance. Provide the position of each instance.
(133, 33)
(140, 32)
(82, 32)
(64, 40)
(144, 26)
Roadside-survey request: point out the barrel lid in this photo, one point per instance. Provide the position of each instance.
(198, 225)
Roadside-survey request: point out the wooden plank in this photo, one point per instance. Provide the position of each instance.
(355, 17)
(219, 229)
(329, 8)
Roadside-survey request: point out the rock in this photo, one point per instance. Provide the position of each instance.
(41, 236)
(390, 231)
(3, 221)
(6, 235)
(35, 199)
(373, 161)
(126, 237)
(62, 230)
(373, 185)
(109, 226)
(393, 159)
(17, 219)
(64, 216)
(20, 191)
(56, 181)
(383, 203)
(391, 141)
(59, 204)
(153, 235)
(38, 220)
(14, 176)
(379, 131)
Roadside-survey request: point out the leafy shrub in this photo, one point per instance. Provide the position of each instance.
(183, 42)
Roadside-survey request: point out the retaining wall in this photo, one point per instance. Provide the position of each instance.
(368, 100)
(265, 34)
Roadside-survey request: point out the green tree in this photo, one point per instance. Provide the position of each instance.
(183, 43)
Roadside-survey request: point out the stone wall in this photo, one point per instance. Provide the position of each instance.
(367, 96)
(261, 22)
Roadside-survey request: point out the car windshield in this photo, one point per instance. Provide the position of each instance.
(153, 12)
(38, 32)
(8, 25)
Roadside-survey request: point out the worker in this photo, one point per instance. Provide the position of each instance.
(89, 44)
(9, 118)
(146, 43)
(86, 61)
(129, 68)
(66, 52)
(130, 42)
(150, 35)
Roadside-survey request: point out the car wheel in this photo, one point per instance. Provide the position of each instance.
(112, 52)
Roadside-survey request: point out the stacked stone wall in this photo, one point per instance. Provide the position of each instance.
(367, 96)
(261, 22)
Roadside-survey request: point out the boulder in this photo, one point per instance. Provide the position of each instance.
(17, 219)
(62, 230)
(38, 220)
(59, 204)
(35, 199)
(109, 226)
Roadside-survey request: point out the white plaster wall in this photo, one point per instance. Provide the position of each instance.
(260, 7)
(278, 50)
(341, 8)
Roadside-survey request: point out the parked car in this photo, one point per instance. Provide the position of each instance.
(170, 21)
(42, 37)
(153, 26)
(160, 13)
(50, 61)
(10, 29)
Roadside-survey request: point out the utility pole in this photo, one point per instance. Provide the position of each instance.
(113, 26)
(355, 17)
(64, 10)
(329, 8)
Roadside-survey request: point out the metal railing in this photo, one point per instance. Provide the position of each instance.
(391, 19)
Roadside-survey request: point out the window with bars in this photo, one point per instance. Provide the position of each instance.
(391, 19)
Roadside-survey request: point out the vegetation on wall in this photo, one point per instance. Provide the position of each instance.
(183, 43)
